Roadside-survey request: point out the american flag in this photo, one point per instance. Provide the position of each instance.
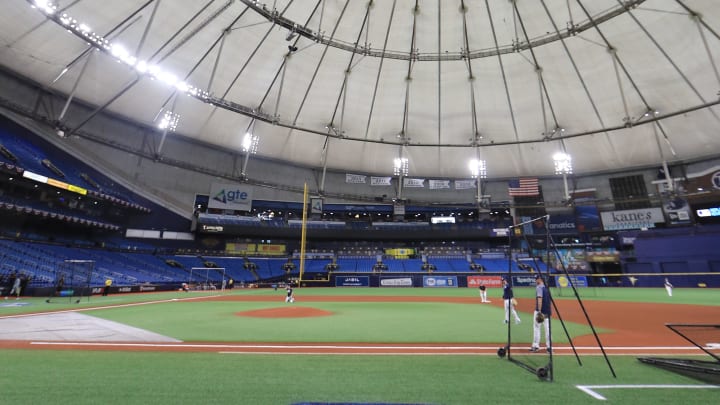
(523, 187)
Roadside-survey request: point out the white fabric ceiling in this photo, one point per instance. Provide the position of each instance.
(372, 80)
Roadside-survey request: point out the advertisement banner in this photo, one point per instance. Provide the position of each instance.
(523, 281)
(487, 281)
(413, 182)
(631, 219)
(396, 282)
(565, 281)
(440, 281)
(588, 218)
(355, 178)
(271, 249)
(352, 281)
(464, 184)
(230, 197)
(380, 181)
(677, 210)
(438, 184)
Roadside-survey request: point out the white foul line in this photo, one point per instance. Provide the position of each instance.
(590, 389)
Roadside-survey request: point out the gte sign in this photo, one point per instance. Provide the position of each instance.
(230, 197)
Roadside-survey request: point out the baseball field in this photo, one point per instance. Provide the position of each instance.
(346, 345)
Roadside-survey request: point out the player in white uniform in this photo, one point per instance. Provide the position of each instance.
(483, 293)
(289, 297)
(509, 299)
(668, 287)
(542, 305)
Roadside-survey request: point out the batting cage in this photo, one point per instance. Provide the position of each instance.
(527, 291)
(73, 280)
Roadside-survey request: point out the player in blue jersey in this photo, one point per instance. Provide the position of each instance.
(541, 316)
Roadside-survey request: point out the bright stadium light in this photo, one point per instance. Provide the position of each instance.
(46, 6)
(250, 143)
(400, 166)
(478, 168)
(118, 51)
(563, 163)
(169, 121)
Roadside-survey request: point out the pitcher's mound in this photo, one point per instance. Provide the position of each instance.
(285, 312)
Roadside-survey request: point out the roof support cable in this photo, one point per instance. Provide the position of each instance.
(538, 68)
(317, 67)
(408, 76)
(283, 69)
(74, 89)
(504, 77)
(274, 120)
(671, 61)
(696, 18)
(147, 28)
(217, 62)
(196, 15)
(627, 120)
(342, 95)
(380, 67)
(570, 23)
(439, 76)
(579, 75)
(616, 59)
(471, 76)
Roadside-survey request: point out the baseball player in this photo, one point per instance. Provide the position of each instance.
(510, 302)
(483, 293)
(541, 315)
(668, 287)
(289, 297)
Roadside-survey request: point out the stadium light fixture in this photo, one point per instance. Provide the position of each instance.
(478, 168)
(118, 51)
(563, 163)
(400, 166)
(250, 143)
(169, 121)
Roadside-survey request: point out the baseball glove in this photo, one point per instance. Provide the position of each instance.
(539, 318)
(513, 302)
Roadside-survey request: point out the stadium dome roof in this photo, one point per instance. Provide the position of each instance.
(352, 85)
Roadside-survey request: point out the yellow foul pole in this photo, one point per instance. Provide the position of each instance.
(303, 234)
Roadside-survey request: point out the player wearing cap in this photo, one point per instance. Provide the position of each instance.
(509, 301)
(541, 315)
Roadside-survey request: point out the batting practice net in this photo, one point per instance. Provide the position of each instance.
(523, 268)
(207, 278)
(73, 278)
(705, 338)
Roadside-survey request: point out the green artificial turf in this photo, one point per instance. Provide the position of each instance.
(417, 322)
(82, 377)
